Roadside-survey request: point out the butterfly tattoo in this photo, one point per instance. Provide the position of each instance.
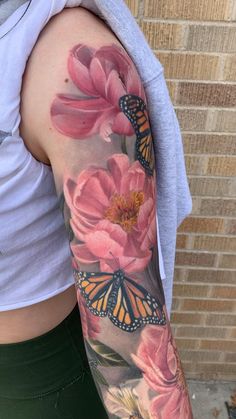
(127, 304)
(135, 110)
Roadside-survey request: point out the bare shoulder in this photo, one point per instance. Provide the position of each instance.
(46, 72)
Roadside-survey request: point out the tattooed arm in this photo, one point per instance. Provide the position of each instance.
(90, 121)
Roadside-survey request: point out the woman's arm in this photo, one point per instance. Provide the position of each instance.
(84, 110)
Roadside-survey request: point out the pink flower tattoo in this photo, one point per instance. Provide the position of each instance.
(158, 358)
(104, 76)
(113, 213)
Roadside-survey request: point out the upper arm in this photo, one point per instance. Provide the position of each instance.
(47, 76)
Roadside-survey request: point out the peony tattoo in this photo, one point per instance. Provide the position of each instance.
(109, 196)
(104, 75)
(113, 214)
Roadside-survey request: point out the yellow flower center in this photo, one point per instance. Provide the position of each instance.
(124, 210)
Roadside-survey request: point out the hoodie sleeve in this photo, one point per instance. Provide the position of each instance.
(174, 202)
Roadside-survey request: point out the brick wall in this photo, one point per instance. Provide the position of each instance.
(196, 42)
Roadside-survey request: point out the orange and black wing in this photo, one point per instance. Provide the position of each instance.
(135, 110)
(96, 288)
(135, 306)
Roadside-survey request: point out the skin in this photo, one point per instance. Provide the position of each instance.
(45, 77)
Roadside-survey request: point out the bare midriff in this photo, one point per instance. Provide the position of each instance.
(34, 320)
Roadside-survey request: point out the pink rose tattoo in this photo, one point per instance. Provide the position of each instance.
(113, 214)
(158, 358)
(104, 76)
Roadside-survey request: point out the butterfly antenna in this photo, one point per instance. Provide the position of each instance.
(126, 266)
(112, 267)
(116, 259)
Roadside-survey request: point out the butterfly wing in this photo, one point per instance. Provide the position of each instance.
(95, 288)
(135, 306)
(144, 153)
(135, 110)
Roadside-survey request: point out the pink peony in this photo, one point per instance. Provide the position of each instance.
(104, 75)
(113, 215)
(158, 358)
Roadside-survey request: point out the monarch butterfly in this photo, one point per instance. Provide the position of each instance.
(135, 110)
(126, 303)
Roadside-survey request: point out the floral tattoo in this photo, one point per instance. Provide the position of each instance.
(110, 209)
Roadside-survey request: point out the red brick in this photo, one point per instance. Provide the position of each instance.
(187, 343)
(224, 292)
(209, 144)
(181, 242)
(163, 35)
(175, 303)
(231, 333)
(133, 5)
(201, 186)
(230, 357)
(200, 356)
(206, 94)
(230, 227)
(202, 225)
(190, 290)
(192, 119)
(218, 207)
(186, 318)
(214, 243)
(196, 259)
(199, 332)
(221, 345)
(230, 68)
(189, 66)
(184, 9)
(215, 368)
(216, 276)
(196, 165)
(216, 305)
(221, 166)
(211, 38)
(225, 120)
(221, 320)
(229, 262)
(206, 376)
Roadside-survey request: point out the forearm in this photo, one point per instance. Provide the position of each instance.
(128, 339)
(116, 370)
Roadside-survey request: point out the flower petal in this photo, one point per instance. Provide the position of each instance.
(79, 68)
(102, 245)
(79, 118)
(118, 164)
(114, 89)
(98, 76)
(83, 254)
(121, 125)
(134, 84)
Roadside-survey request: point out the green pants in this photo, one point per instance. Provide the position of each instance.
(48, 377)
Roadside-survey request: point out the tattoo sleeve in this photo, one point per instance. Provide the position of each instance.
(108, 198)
